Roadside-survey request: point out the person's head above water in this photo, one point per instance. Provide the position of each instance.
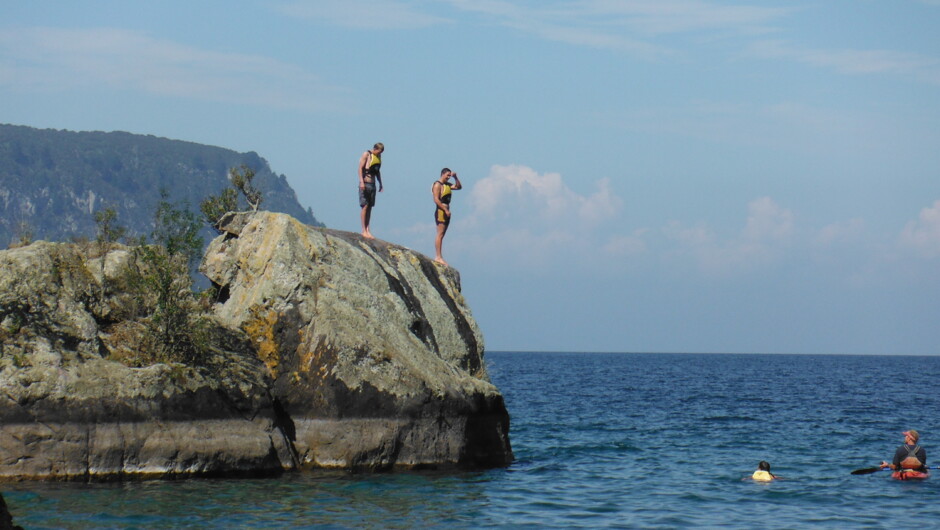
(763, 465)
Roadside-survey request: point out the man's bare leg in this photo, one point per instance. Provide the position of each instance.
(441, 230)
(366, 216)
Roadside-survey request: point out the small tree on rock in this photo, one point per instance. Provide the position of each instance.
(24, 235)
(177, 230)
(108, 229)
(214, 207)
(241, 179)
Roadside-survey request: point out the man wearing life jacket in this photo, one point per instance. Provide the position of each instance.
(441, 191)
(910, 459)
(370, 165)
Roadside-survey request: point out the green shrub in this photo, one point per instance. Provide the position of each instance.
(160, 278)
(241, 180)
(108, 229)
(214, 207)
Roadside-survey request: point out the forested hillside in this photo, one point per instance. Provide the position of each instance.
(52, 182)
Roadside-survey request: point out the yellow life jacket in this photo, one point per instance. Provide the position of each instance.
(445, 193)
(373, 165)
(762, 476)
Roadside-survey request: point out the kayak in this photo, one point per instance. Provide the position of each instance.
(910, 474)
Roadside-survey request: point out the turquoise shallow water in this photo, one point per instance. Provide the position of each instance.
(601, 440)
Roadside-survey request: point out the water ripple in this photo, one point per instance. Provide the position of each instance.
(602, 440)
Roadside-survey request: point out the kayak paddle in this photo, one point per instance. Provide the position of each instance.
(867, 470)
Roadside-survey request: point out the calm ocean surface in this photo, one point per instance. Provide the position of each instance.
(602, 440)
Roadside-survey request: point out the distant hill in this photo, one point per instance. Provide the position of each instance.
(52, 182)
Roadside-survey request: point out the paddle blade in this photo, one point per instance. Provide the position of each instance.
(866, 470)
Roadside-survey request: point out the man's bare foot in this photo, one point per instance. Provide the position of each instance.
(368, 235)
(441, 261)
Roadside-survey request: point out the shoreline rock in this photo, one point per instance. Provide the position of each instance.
(328, 351)
(366, 341)
(6, 518)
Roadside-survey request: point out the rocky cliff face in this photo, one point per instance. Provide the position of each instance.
(373, 351)
(327, 351)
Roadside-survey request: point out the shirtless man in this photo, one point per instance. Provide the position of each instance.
(441, 191)
(369, 172)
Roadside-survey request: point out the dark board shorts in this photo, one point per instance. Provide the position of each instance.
(367, 195)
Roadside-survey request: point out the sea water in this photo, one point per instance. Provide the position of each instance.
(601, 440)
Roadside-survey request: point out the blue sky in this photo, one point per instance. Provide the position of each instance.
(640, 175)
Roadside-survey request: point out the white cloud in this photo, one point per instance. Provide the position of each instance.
(843, 231)
(675, 16)
(574, 24)
(363, 14)
(539, 200)
(784, 125)
(767, 222)
(528, 217)
(57, 59)
(520, 246)
(856, 62)
(628, 246)
(519, 214)
(622, 25)
(534, 220)
(767, 233)
(923, 235)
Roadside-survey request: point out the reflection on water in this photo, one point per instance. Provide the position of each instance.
(398, 500)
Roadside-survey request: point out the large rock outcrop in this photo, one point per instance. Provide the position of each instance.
(373, 351)
(326, 351)
(67, 411)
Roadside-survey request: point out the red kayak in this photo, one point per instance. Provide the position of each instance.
(910, 474)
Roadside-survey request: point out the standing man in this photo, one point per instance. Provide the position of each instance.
(441, 191)
(910, 459)
(369, 172)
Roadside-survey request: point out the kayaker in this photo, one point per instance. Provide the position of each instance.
(910, 459)
(763, 473)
